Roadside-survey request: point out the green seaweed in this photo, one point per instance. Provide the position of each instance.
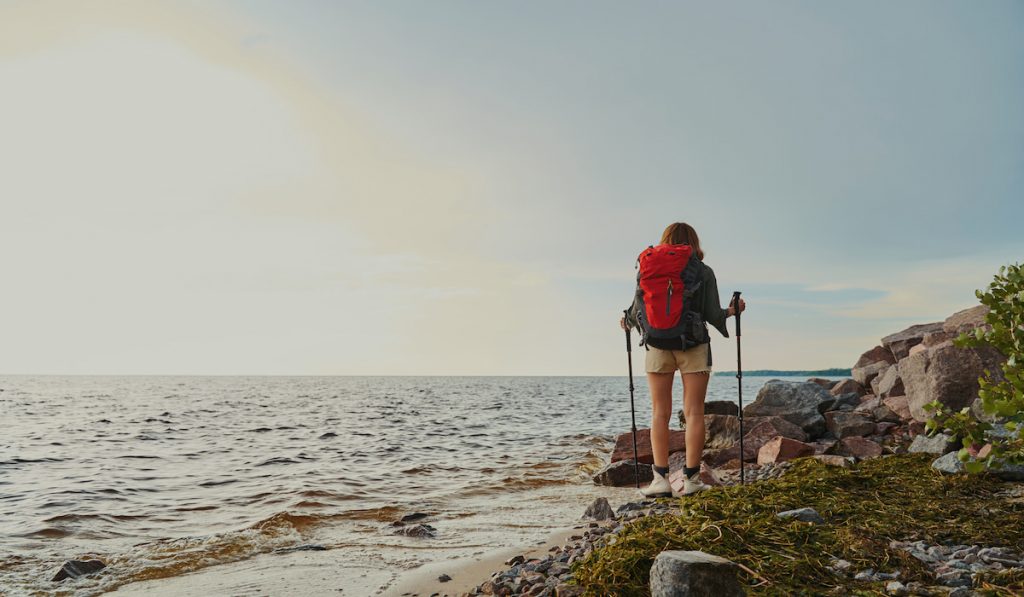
(865, 507)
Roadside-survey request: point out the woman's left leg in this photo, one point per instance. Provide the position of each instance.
(695, 389)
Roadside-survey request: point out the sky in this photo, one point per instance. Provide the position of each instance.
(462, 188)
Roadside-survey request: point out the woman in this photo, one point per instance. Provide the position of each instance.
(665, 356)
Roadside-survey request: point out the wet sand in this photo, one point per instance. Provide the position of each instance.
(467, 573)
(321, 573)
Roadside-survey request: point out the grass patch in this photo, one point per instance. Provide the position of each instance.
(866, 506)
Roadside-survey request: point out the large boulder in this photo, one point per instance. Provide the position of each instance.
(828, 384)
(898, 405)
(947, 374)
(889, 383)
(623, 474)
(848, 386)
(870, 364)
(900, 343)
(966, 320)
(848, 424)
(768, 428)
(797, 402)
(781, 449)
(677, 573)
(858, 447)
(721, 431)
(623, 449)
(717, 407)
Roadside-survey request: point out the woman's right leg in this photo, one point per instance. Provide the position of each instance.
(660, 385)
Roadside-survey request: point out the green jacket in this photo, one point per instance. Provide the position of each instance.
(707, 298)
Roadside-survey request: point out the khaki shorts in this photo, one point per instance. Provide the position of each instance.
(694, 360)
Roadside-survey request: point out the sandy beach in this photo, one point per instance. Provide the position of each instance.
(319, 573)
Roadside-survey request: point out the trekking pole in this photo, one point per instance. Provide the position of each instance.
(739, 378)
(632, 410)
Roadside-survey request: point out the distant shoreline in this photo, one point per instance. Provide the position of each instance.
(818, 372)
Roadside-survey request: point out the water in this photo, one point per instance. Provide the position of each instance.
(161, 476)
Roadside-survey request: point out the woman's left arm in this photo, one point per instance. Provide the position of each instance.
(713, 311)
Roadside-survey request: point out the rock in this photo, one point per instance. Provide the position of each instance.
(890, 384)
(865, 375)
(599, 510)
(677, 573)
(898, 405)
(621, 474)
(948, 464)
(878, 378)
(870, 364)
(858, 447)
(802, 514)
(724, 457)
(883, 427)
(900, 343)
(76, 568)
(947, 374)
(939, 444)
(845, 424)
(834, 460)
(1009, 472)
(868, 403)
(624, 445)
(443, 578)
(895, 587)
(847, 401)
(824, 445)
(966, 320)
(781, 449)
(878, 354)
(719, 407)
(769, 428)
(413, 517)
(847, 386)
(418, 530)
(721, 431)
(797, 402)
(825, 383)
(884, 414)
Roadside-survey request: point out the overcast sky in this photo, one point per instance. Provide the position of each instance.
(414, 188)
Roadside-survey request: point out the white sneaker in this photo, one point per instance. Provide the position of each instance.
(659, 487)
(693, 484)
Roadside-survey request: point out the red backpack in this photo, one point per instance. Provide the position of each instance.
(667, 279)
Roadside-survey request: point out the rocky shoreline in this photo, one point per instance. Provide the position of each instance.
(875, 413)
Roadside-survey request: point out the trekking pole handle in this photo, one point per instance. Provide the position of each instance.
(629, 345)
(736, 310)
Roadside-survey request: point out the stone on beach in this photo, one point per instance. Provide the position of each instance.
(781, 449)
(846, 424)
(622, 474)
(721, 431)
(677, 573)
(797, 402)
(889, 383)
(858, 447)
(720, 407)
(900, 343)
(600, 509)
(939, 444)
(418, 530)
(947, 374)
(847, 386)
(802, 514)
(870, 364)
(624, 445)
(75, 568)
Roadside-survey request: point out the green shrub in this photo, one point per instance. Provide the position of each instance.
(1002, 397)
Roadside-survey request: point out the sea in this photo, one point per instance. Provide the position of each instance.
(165, 476)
